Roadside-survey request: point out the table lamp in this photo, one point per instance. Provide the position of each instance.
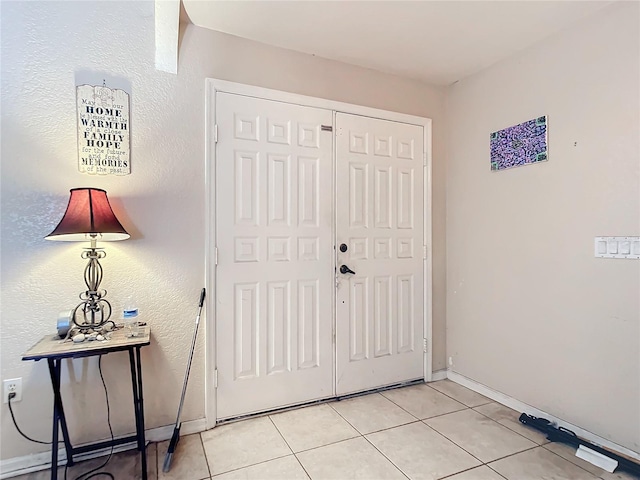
(89, 217)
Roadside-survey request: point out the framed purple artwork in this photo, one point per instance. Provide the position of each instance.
(519, 145)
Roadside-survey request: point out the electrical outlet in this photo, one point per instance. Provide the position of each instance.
(12, 385)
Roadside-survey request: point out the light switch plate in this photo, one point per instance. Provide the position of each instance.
(617, 247)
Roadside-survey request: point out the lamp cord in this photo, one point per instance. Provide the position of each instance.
(11, 395)
(96, 471)
(90, 473)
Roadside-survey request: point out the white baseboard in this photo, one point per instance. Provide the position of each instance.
(12, 467)
(161, 434)
(529, 410)
(439, 375)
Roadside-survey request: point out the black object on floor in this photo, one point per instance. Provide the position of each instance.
(561, 434)
(175, 438)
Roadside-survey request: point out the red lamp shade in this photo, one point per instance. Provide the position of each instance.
(88, 215)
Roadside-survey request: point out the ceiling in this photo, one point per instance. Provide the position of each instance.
(437, 42)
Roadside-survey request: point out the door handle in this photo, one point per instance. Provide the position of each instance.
(345, 269)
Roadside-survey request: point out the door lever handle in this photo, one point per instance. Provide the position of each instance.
(345, 269)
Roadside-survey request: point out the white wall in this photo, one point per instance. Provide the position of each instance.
(530, 311)
(47, 49)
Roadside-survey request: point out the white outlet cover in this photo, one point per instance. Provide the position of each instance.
(6, 389)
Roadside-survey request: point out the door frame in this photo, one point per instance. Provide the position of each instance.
(212, 86)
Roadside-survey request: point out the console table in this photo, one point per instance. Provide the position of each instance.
(53, 349)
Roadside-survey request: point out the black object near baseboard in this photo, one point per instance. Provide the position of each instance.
(563, 435)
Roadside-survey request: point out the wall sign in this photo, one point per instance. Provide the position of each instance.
(521, 144)
(103, 130)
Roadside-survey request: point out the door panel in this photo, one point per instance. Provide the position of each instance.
(275, 255)
(379, 216)
(277, 274)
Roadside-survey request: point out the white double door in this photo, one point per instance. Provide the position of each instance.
(293, 190)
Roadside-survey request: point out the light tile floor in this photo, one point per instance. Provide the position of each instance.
(421, 432)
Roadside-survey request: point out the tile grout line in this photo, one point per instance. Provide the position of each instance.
(428, 426)
(416, 419)
(157, 456)
(533, 448)
(468, 470)
(204, 451)
(327, 444)
(423, 421)
(302, 466)
(252, 465)
(244, 466)
(292, 452)
(391, 428)
(506, 426)
(495, 459)
(376, 448)
(280, 433)
(449, 440)
(511, 455)
(318, 446)
(360, 435)
(453, 398)
(388, 459)
(400, 406)
(596, 476)
(480, 460)
(443, 414)
(428, 384)
(268, 460)
(420, 419)
(498, 423)
(494, 470)
(441, 434)
(345, 419)
(461, 471)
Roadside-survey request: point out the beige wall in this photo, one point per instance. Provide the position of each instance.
(530, 311)
(47, 49)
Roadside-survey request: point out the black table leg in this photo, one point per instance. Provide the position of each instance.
(54, 438)
(141, 410)
(134, 386)
(136, 382)
(59, 419)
